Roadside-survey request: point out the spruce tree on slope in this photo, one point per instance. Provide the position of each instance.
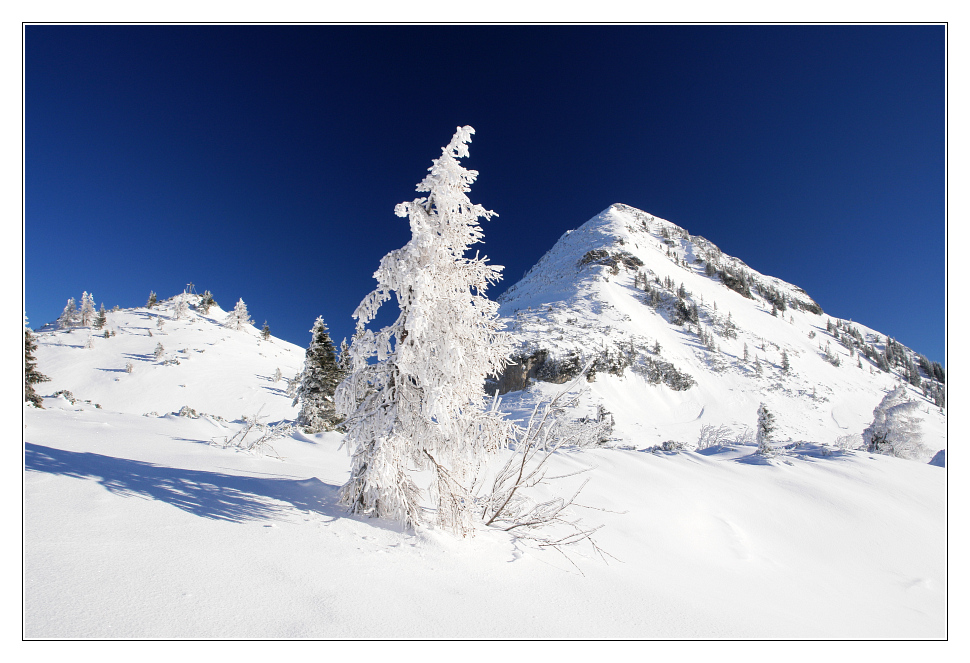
(265, 331)
(895, 429)
(88, 311)
(181, 306)
(319, 381)
(31, 375)
(69, 317)
(766, 426)
(239, 317)
(102, 319)
(421, 405)
(205, 303)
(152, 300)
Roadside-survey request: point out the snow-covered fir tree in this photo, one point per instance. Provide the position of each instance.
(87, 312)
(278, 375)
(70, 317)
(152, 300)
(766, 426)
(102, 319)
(421, 405)
(319, 381)
(159, 351)
(205, 303)
(239, 316)
(265, 331)
(785, 364)
(343, 360)
(895, 429)
(181, 308)
(31, 375)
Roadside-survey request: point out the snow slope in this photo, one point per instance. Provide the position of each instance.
(138, 527)
(575, 303)
(205, 365)
(135, 527)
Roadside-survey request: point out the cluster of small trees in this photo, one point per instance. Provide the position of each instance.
(72, 316)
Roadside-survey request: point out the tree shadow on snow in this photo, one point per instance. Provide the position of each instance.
(215, 495)
(139, 357)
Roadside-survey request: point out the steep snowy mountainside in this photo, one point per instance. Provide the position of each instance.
(203, 364)
(685, 336)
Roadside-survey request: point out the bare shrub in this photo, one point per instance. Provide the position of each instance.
(713, 436)
(255, 436)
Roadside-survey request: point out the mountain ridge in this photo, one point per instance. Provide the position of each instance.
(659, 309)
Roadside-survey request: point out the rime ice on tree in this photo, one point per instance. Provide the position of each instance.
(239, 317)
(422, 404)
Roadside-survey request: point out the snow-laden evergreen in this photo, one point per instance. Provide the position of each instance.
(69, 317)
(32, 375)
(239, 317)
(318, 382)
(422, 404)
(87, 312)
(896, 428)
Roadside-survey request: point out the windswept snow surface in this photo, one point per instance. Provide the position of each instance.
(137, 527)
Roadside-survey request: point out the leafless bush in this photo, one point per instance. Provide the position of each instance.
(849, 442)
(510, 506)
(744, 438)
(255, 436)
(713, 436)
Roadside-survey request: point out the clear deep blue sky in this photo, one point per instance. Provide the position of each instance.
(264, 162)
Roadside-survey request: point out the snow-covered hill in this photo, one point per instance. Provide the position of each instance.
(670, 319)
(204, 365)
(140, 527)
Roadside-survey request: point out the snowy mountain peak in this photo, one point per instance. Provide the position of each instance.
(684, 336)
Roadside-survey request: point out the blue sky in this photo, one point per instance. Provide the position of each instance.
(265, 162)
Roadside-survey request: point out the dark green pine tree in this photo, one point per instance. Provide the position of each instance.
(102, 319)
(206, 302)
(31, 375)
(321, 375)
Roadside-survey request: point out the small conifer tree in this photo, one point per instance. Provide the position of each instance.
(265, 331)
(102, 319)
(278, 375)
(159, 323)
(343, 361)
(31, 375)
(152, 300)
(87, 311)
(239, 317)
(159, 351)
(766, 426)
(206, 303)
(69, 317)
(785, 364)
(320, 378)
(181, 306)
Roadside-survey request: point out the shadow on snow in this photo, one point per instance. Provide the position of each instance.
(213, 495)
